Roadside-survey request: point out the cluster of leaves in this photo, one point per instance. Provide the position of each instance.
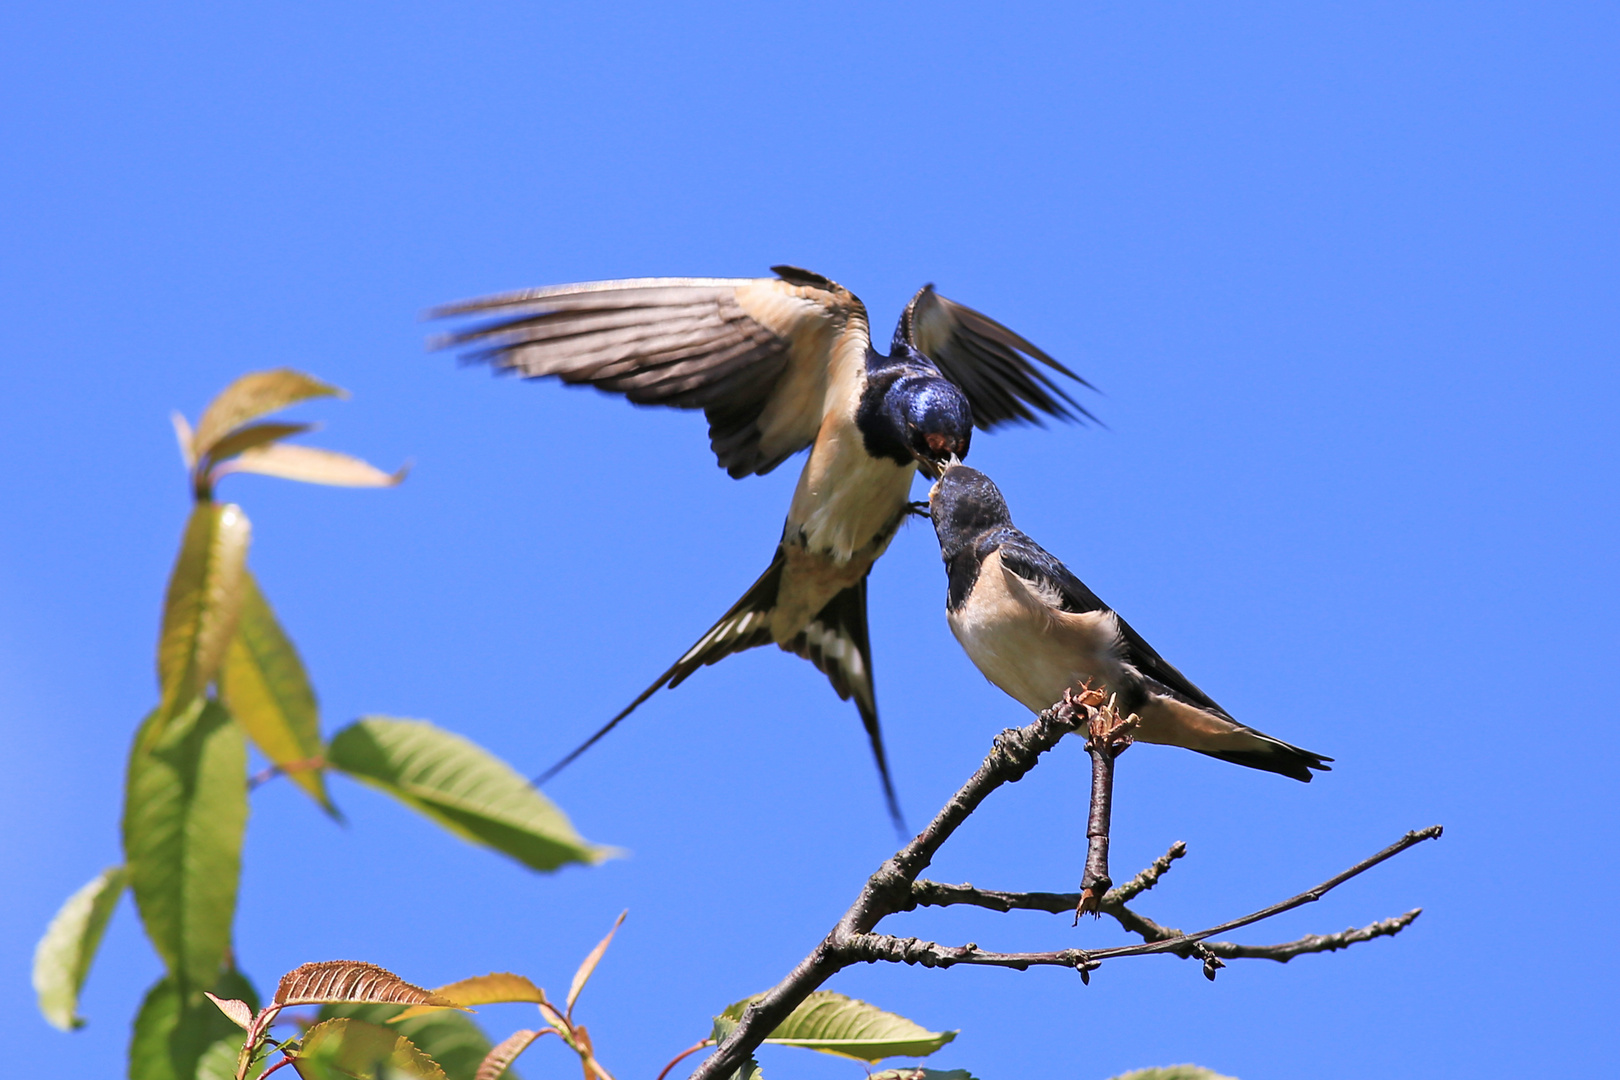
(229, 674)
(346, 1043)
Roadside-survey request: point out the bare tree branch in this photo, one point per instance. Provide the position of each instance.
(1107, 737)
(936, 894)
(895, 888)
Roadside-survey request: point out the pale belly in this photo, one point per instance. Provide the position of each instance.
(845, 512)
(1031, 652)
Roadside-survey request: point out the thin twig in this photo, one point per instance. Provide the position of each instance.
(683, 1055)
(937, 894)
(1411, 839)
(895, 888)
(270, 772)
(1149, 876)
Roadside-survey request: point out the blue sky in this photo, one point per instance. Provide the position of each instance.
(1346, 278)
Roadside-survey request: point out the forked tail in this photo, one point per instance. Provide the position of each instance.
(836, 642)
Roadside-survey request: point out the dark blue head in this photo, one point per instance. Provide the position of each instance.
(932, 418)
(965, 504)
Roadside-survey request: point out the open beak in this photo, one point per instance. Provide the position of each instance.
(934, 468)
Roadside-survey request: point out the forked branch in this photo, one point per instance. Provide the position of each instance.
(895, 888)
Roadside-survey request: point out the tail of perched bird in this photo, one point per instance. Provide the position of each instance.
(835, 641)
(1168, 718)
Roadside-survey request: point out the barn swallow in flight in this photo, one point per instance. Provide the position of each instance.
(1035, 630)
(779, 365)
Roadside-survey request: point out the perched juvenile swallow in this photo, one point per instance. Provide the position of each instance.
(1035, 630)
(780, 365)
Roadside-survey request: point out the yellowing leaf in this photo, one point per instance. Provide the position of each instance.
(252, 396)
(182, 435)
(62, 958)
(462, 787)
(588, 965)
(235, 1010)
(311, 465)
(185, 811)
(264, 685)
(202, 605)
(350, 980)
(254, 436)
(354, 1048)
(835, 1024)
(492, 989)
(500, 1058)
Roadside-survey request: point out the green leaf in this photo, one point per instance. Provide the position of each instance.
(353, 1048)
(63, 956)
(1172, 1072)
(203, 603)
(182, 1036)
(724, 1025)
(264, 685)
(312, 465)
(185, 811)
(462, 787)
(251, 396)
(448, 1037)
(835, 1024)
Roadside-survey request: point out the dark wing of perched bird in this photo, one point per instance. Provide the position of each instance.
(752, 353)
(1048, 577)
(1004, 377)
(1047, 574)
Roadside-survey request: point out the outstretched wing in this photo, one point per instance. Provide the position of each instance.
(752, 353)
(1049, 578)
(1004, 377)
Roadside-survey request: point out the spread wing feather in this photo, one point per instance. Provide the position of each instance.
(727, 346)
(1004, 377)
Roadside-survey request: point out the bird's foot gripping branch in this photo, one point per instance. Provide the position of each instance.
(897, 887)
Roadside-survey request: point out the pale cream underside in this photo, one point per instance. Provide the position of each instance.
(1028, 648)
(1025, 645)
(846, 503)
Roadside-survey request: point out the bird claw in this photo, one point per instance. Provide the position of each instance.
(1084, 696)
(919, 508)
(1107, 728)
